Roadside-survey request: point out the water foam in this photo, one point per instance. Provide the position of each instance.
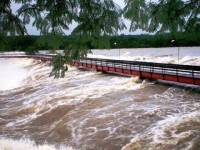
(78, 87)
(25, 144)
(169, 133)
(13, 72)
(171, 124)
(188, 55)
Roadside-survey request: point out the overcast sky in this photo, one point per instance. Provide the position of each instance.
(34, 31)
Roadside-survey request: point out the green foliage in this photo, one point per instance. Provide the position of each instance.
(163, 16)
(9, 22)
(52, 41)
(30, 50)
(50, 16)
(58, 67)
(97, 20)
(136, 11)
(20, 43)
(2, 42)
(158, 40)
(71, 45)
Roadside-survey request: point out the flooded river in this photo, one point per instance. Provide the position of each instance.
(89, 110)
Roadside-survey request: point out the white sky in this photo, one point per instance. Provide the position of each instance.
(33, 31)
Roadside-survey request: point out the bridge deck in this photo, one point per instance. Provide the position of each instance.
(170, 72)
(42, 57)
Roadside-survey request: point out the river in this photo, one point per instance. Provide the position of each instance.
(89, 110)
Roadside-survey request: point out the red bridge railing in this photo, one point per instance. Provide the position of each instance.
(170, 72)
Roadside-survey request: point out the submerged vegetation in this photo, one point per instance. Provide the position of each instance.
(98, 22)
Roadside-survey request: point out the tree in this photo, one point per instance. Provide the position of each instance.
(95, 18)
(163, 15)
(9, 22)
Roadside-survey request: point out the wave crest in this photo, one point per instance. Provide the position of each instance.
(26, 144)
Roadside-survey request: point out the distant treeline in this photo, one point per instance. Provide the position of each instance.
(30, 43)
(158, 40)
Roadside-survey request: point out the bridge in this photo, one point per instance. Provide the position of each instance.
(42, 57)
(170, 72)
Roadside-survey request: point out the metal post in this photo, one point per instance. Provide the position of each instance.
(118, 50)
(119, 53)
(178, 54)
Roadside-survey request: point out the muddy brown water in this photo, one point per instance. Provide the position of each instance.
(90, 110)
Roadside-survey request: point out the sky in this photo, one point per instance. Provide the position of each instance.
(33, 31)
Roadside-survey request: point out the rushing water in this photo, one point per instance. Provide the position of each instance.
(89, 110)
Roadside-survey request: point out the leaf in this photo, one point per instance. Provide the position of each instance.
(58, 67)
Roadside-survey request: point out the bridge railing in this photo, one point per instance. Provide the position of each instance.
(43, 57)
(150, 67)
